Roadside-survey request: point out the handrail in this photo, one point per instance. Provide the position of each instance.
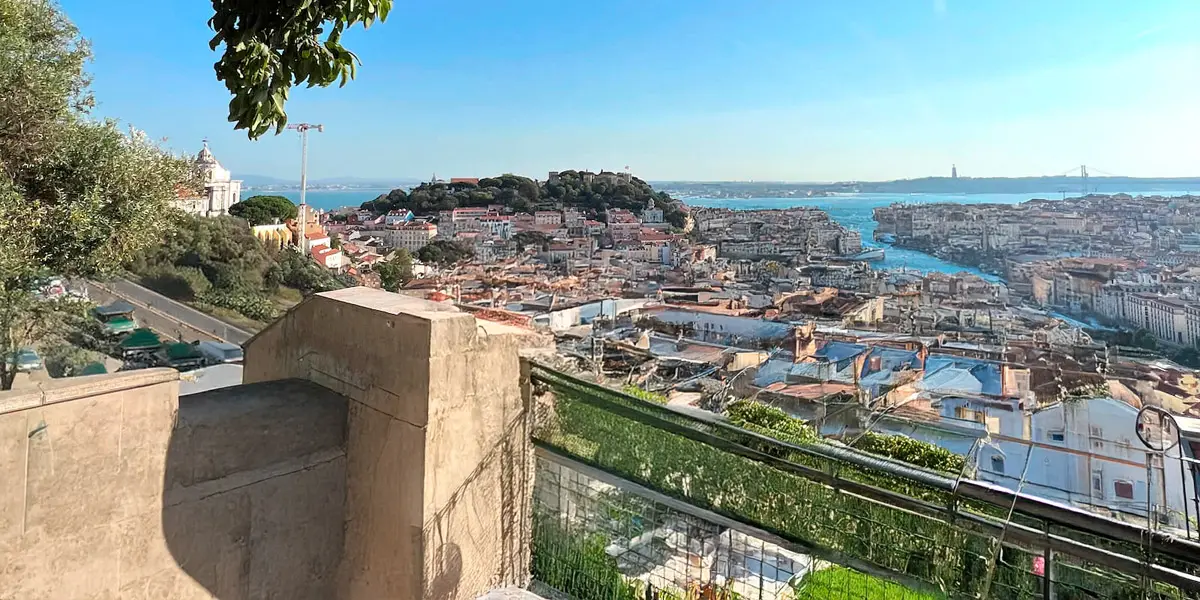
(1040, 509)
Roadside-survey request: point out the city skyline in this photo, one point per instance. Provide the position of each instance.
(700, 92)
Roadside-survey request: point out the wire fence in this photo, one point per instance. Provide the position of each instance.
(879, 521)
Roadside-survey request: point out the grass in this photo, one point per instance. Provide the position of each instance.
(287, 297)
(841, 583)
(232, 317)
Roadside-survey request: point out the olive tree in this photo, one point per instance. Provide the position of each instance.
(78, 196)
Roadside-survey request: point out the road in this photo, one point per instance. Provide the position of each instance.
(165, 315)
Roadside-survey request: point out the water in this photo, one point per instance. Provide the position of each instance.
(326, 199)
(853, 211)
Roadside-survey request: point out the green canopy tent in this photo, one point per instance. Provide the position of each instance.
(95, 368)
(181, 355)
(141, 341)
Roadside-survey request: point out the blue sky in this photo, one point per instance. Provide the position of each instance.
(790, 90)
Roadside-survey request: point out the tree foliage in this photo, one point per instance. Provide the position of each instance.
(395, 272)
(271, 46)
(390, 201)
(444, 252)
(594, 193)
(531, 239)
(77, 196)
(223, 249)
(219, 262)
(264, 210)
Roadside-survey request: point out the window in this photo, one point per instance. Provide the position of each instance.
(1098, 483)
(1123, 489)
(998, 464)
(1057, 435)
(993, 424)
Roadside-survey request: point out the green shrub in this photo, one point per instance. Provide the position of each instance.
(180, 283)
(66, 360)
(770, 421)
(646, 395)
(914, 452)
(254, 305)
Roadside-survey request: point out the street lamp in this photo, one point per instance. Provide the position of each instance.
(303, 129)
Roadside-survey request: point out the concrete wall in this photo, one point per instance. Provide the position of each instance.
(379, 449)
(438, 456)
(113, 487)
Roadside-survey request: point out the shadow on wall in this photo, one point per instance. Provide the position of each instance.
(495, 537)
(254, 491)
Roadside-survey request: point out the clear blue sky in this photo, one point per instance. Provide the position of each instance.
(697, 89)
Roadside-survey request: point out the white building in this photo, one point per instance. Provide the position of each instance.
(410, 236)
(498, 225)
(1084, 452)
(1170, 318)
(220, 190)
(329, 258)
(651, 214)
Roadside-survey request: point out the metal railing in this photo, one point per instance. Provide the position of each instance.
(936, 536)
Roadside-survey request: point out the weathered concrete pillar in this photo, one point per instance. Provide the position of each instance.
(439, 463)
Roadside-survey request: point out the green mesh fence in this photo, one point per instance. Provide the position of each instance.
(904, 524)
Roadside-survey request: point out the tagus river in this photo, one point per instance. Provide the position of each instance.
(855, 211)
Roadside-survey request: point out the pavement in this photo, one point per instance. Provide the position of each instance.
(166, 316)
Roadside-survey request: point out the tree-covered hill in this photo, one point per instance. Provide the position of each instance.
(572, 189)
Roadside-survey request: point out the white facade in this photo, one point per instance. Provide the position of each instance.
(1170, 318)
(220, 190)
(500, 226)
(410, 236)
(1084, 452)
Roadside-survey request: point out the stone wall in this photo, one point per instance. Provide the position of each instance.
(439, 463)
(114, 487)
(378, 450)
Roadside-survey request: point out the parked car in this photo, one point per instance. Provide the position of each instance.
(27, 359)
(216, 353)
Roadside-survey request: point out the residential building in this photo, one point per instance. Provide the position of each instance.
(316, 238)
(397, 217)
(329, 258)
(498, 225)
(410, 236)
(547, 217)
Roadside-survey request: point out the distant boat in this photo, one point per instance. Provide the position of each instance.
(870, 254)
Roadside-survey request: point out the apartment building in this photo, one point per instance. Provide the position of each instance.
(410, 236)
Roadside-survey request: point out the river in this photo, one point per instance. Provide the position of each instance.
(852, 210)
(855, 211)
